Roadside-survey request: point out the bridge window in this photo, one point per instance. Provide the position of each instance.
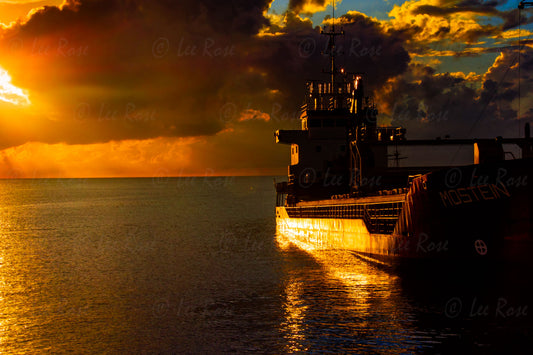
(313, 123)
(341, 122)
(328, 123)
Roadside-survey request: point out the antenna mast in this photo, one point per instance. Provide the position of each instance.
(521, 6)
(332, 48)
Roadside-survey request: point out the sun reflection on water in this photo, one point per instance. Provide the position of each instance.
(336, 290)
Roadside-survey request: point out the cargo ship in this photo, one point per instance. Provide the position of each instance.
(342, 193)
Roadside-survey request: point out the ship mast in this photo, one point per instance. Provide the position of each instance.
(521, 6)
(331, 51)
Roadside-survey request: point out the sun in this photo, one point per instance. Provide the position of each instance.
(10, 93)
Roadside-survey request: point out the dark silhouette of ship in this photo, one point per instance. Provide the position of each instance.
(342, 193)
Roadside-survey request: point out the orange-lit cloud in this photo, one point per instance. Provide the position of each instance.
(193, 85)
(310, 7)
(254, 115)
(431, 104)
(11, 11)
(10, 93)
(431, 28)
(109, 71)
(450, 28)
(124, 158)
(227, 153)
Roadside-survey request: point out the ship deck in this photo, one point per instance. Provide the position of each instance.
(376, 199)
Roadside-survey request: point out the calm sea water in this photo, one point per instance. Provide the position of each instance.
(194, 265)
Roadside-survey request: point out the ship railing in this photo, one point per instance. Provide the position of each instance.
(321, 87)
(375, 211)
(322, 95)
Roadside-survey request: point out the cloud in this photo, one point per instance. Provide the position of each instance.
(209, 81)
(107, 70)
(245, 148)
(10, 11)
(114, 159)
(451, 28)
(309, 7)
(116, 70)
(458, 104)
(453, 7)
(102, 56)
(10, 93)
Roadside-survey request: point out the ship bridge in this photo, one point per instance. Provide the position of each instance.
(327, 96)
(324, 155)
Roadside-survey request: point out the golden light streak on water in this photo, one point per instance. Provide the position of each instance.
(295, 311)
(368, 291)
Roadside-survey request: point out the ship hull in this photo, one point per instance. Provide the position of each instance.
(333, 233)
(472, 212)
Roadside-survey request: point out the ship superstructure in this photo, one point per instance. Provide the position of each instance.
(342, 193)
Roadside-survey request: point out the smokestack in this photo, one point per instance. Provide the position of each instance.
(527, 130)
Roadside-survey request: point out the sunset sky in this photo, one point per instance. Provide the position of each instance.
(112, 88)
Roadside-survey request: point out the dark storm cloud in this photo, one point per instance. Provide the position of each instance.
(431, 105)
(297, 55)
(119, 69)
(500, 86)
(488, 8)
(244, 16)
(105, 55)
(443, 11)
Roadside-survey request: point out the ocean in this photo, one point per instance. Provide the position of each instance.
(194, 265)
